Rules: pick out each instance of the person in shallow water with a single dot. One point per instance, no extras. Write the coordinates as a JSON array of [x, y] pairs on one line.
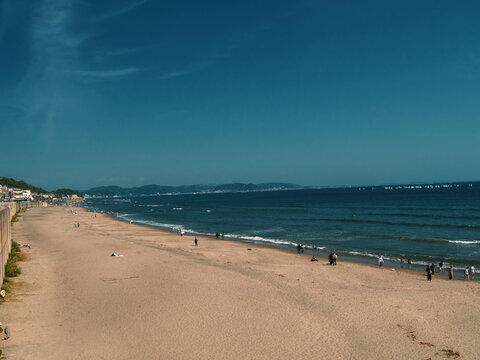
[[472, 272], [450, 272], [299, 248], [380, 260]]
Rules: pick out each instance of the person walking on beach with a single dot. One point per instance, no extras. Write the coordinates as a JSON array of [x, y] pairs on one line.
[[440, 265], [299, 248], [330, 258], [380, 260], [409, 263], [472, 272], [335, 258], [432, 268], [429, 273], [465, 274], [402, 261], [450, 272], [196, 241]]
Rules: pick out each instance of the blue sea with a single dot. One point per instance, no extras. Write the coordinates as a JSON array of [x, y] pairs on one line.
[[426, 225]]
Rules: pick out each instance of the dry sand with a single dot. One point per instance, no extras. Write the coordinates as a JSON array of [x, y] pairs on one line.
[[167, 299]]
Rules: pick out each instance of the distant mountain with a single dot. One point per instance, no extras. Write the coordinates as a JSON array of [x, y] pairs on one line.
[[19, 184], [162, 189]]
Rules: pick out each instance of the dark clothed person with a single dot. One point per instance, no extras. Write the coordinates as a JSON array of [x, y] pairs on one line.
[[429, 273]]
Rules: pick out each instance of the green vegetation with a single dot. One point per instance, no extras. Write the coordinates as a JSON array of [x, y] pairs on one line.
[[11, 267], [66, 192], [14, 218], [21, 185]]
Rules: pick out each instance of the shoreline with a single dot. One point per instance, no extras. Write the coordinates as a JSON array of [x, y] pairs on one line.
[[166, 297], [343, 256]]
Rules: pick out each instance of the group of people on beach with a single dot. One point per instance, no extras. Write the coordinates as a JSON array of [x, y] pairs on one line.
[[219, 236], [468, 273], [332, 258], [300, 248]]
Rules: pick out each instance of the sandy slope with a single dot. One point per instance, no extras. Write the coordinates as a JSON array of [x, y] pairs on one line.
[[167, 299]]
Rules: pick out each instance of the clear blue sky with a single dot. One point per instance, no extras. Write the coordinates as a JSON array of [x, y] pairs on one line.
[[133, 92]]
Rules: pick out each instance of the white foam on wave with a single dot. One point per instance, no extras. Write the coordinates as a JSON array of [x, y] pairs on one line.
[[260, 239], [177, 209], [465, 242]]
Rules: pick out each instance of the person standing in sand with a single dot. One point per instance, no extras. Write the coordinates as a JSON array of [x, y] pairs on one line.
[[450, 272], [335, 258], [465, 274], [429, 273], [472, 272], [196, 241]]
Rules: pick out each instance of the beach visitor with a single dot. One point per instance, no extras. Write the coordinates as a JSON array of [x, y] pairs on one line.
[[299, 248], [432, 268], [313, 258], [450, 272], [222, 236], [75, 225], [429, 273], [465, 274], [472, 272], [78, 225], [335, 258], [217, 235], [380, 260], [303, 248], [330, 258], [409, 263], [402, 260], [196, 241], [440, 265]]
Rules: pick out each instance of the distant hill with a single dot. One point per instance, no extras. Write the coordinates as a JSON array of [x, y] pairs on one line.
[[66, 192], [162, 189], [21, 185]]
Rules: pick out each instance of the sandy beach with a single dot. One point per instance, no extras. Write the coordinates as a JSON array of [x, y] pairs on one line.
[[165, 298]]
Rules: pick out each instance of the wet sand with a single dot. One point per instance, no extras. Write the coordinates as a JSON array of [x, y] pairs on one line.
[[167, 299]]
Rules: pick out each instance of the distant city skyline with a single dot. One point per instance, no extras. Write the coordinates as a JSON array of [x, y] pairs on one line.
[[136, 92]]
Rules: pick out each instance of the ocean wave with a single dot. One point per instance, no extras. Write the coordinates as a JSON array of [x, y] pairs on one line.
[[364, 221], [177, 208], [428, 216], [465, 242], [414, 239]]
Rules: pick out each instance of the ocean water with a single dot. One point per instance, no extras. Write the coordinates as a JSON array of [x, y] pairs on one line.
[[426, 225]]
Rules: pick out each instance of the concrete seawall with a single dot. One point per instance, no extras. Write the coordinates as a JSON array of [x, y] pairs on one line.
[[7, 211]]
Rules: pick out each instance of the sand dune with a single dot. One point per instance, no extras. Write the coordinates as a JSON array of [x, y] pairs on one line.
[[167, 299]]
